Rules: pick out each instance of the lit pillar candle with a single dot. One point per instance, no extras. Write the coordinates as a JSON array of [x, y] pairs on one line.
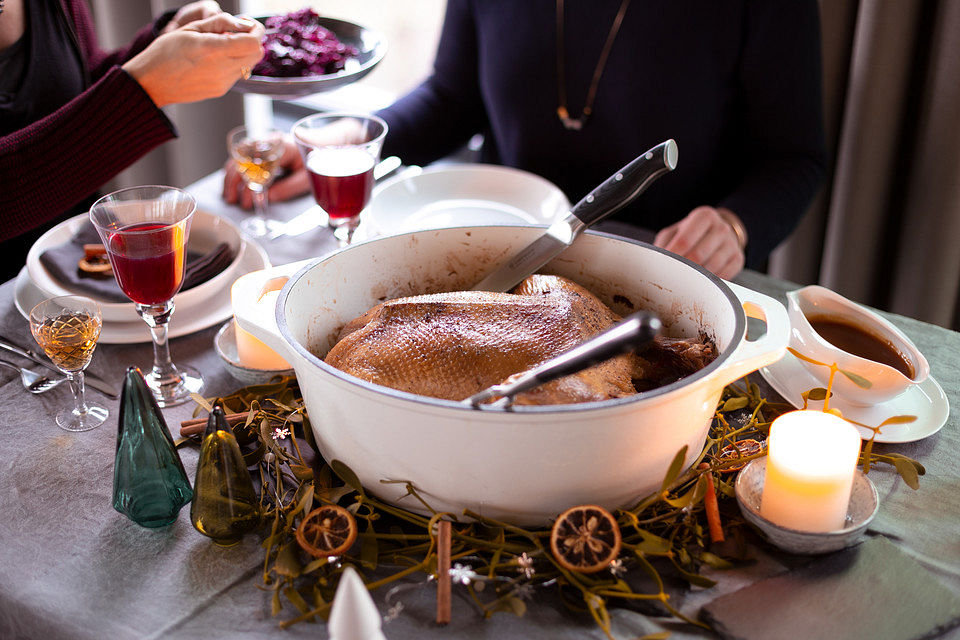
[[812, 457], [251, 351]]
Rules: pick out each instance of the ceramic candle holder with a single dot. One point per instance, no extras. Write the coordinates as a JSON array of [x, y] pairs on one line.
[[864, 504], [225, 345]]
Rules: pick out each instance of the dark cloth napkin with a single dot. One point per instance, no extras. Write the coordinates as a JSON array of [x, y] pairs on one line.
[[61, 263], [874, 591]]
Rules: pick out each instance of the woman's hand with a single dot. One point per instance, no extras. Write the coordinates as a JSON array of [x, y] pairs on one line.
[[192, 12], [198, 61], [295, 183], [705, 237]]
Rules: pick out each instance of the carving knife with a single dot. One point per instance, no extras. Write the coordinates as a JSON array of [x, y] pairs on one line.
[[615, 193], [90, 379]]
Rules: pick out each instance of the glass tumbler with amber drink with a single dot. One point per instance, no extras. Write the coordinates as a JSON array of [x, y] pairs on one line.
[[67, 329], [145, 232], [257, 152]]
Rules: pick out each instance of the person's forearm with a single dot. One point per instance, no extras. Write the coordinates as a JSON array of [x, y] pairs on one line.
[[441, 114], [425, 125], [56, 162], [101, 61], [773, 197], [783, 142]]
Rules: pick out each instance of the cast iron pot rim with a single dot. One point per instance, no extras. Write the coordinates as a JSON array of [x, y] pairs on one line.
[[739, 333]]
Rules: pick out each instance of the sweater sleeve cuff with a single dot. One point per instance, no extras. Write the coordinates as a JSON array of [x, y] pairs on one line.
[[145, 102]]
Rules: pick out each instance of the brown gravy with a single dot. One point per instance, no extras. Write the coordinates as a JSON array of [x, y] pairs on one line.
[[854, 339]]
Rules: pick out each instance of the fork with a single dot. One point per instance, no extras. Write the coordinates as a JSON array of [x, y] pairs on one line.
[[32, 381]]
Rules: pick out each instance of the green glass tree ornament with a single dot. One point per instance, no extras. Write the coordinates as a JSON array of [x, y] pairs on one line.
[[225, 505], [150, 485]]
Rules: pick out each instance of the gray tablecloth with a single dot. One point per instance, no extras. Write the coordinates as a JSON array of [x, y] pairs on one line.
[[72, 567]]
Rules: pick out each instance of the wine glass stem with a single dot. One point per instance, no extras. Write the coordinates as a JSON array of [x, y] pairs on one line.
[[157, 318], [343, 232], [76, 387], [260, 203]]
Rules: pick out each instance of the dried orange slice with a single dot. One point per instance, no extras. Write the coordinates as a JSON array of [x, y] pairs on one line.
[[95, 260], [740, 449], [585, 539], [327, 531]]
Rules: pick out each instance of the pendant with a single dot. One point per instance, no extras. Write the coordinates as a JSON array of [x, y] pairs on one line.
[[571, 124]]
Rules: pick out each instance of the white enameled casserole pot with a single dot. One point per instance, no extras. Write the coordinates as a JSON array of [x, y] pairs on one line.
[[527, 465]]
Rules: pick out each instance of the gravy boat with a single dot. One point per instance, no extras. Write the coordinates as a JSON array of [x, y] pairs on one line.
[[886, 382]]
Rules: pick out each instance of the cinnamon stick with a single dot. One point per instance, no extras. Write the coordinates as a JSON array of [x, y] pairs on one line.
[[443, 572], [196, 426], [712, 507]]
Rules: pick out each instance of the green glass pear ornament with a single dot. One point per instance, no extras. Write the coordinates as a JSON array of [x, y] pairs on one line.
[[150, 485], [225, 505]]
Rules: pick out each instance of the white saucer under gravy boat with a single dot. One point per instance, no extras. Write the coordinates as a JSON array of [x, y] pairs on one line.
[[886, 382]]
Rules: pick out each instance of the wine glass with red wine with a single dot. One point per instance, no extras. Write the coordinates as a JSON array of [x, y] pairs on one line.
[[340, 151], [145, 231]]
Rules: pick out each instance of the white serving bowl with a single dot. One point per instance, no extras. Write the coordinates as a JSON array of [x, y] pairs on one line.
[[225, 344], [206, 232], [527, 465], [864, 504]]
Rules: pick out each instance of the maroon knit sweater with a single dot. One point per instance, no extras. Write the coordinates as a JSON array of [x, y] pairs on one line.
[[58, 161]]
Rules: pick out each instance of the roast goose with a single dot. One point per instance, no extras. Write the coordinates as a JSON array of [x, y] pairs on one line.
[[453, 345]]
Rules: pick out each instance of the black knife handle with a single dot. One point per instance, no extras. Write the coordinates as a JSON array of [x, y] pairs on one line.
[[632, 332], [621, 188]]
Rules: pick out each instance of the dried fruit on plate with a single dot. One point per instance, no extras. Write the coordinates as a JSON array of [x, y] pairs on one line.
[[585, 539], [95, 261], [327, 531]]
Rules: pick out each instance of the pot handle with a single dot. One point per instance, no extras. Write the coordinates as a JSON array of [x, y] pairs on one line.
[[770, 347], [259, 317]]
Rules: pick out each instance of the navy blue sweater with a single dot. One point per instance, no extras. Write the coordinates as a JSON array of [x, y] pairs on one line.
[[737, 83]]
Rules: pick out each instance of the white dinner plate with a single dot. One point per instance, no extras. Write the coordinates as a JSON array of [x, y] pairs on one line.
[[460, 195], [217, 307], [207, 230], [925, 400]]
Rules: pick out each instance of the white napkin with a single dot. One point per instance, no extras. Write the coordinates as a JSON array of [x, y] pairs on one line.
[[353, 615]]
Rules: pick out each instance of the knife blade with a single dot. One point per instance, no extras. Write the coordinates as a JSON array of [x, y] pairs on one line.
[[92, 380], [613, 194]]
